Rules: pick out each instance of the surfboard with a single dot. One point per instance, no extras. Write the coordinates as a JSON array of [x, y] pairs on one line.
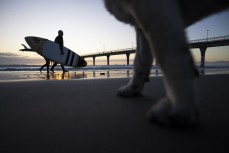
[[51, 50]]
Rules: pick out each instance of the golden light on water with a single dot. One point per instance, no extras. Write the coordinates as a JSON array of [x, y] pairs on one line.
[[59, 75]]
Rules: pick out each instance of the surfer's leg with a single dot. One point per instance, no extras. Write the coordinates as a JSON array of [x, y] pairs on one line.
[[43, 67], [53, 66], [47, 63], [63, 69], [142, 65]]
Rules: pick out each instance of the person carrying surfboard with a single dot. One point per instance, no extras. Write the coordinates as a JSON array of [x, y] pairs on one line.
[[60, 41]]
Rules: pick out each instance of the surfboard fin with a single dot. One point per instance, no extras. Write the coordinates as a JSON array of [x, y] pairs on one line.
[[26, 48]]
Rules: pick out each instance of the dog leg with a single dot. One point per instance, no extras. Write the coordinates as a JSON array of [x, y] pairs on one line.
[[162, 25], [142, 66]]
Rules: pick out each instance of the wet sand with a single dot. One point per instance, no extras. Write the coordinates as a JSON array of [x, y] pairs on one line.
[[59, 75], [86, 116]]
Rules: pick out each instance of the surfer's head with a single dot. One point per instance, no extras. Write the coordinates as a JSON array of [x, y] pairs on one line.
[[60, 32]]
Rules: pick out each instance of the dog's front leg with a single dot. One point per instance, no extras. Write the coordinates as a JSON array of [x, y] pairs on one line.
[[142, 66], [162, 25]]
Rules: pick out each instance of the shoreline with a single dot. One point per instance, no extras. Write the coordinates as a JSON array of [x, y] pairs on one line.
[[31, 72], [7, 76], [71, 75]]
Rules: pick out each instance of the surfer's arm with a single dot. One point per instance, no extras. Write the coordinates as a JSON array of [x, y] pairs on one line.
[[61, 43], [61, 50]]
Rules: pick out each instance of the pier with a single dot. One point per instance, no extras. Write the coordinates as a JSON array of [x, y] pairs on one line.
[[126, 51], [202, 44]]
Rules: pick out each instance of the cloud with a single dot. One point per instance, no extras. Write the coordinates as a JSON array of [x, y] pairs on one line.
[[11, 55], [7, 58]]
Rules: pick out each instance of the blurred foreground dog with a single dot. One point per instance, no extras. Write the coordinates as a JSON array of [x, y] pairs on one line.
[[160, 33]]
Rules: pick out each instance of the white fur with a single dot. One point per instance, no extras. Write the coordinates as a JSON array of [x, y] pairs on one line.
[[160, 33]]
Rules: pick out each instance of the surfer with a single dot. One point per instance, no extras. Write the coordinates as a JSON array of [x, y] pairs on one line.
[[60, 41]]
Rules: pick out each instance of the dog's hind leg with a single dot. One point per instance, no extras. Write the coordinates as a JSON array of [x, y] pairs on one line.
[[162, 25], [142, 66]]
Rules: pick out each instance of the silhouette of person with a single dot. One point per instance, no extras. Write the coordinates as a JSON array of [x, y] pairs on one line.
[[59, 40]]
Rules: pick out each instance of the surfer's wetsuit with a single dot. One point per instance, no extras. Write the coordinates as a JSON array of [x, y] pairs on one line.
[[60, 41]]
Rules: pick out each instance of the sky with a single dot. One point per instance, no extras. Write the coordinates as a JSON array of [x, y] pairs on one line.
[[88, 28]]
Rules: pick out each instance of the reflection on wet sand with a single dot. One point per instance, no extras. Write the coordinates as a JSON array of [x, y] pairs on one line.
[[94, 74], [58, 75], [66, 76]]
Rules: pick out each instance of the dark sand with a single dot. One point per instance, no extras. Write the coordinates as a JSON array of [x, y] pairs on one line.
[[86, 116]]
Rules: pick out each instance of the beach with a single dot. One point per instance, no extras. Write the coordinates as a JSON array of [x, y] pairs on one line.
[[75, 108], [86, 115]]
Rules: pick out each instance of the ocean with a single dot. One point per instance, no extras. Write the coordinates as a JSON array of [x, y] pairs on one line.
[[22, 72]]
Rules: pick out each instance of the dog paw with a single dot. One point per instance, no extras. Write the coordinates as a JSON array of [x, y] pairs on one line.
[[165, 113], [129, 91]]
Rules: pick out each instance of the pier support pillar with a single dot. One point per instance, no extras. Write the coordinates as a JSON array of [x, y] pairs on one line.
[[108, 59], [94, 60], [128, 58], [202, 52]]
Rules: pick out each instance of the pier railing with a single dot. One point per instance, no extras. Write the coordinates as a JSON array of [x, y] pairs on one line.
[[212, 39], [120, 51], [109, 52]]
